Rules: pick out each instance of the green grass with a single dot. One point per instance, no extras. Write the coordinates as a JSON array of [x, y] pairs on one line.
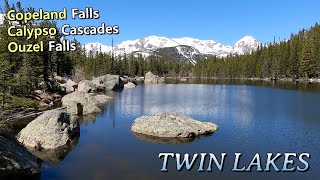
[[13, 102]]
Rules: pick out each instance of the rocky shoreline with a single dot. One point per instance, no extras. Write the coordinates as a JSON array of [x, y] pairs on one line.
[[54, 131], [57, 128], [47, 101]]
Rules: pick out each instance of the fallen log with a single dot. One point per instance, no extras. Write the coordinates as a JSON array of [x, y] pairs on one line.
[[28, 115]]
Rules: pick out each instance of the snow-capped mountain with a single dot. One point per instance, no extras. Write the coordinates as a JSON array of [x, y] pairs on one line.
[[181, 53], [247, 44], [184, 49]]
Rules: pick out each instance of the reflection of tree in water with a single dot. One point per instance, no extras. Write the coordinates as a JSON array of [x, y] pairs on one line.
[[55, 155], [111, 109], [161, 140], [110, 106]]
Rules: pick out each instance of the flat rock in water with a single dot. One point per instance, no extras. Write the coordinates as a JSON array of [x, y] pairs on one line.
[[172, 125], [52, 129], [16, 159]]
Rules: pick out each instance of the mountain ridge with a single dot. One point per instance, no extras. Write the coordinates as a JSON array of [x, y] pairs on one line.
[[186, 48]]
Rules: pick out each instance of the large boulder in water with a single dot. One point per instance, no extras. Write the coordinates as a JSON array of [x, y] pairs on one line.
[[52, 129], [108, 82], [172, 125], [88, 103], [16, 159], [87, 86], [151, 78]]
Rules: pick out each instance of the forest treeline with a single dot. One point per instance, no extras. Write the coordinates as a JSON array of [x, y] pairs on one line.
[[94, 63], [298, 57]]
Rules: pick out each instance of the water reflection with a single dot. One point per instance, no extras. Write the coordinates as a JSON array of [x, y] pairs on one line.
[[302, 86], [55, 155], [160, 140], [190, 100], [251, 119], [87, 118]]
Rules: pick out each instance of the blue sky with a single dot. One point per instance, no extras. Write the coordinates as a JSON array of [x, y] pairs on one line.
[[225, 21]]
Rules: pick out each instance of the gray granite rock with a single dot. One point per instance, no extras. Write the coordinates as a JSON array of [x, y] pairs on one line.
[[16, 160], [87, 86], [151, 78], [52, 129], [172, 125], [108, 82], [129, 85], [90, 103]]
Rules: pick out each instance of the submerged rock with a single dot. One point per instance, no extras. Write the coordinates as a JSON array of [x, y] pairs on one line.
[[151, 78], [89, 103], [15, 159], [172, 125], [52, 129]]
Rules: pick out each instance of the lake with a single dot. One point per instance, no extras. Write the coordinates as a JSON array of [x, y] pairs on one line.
[[252, 118]]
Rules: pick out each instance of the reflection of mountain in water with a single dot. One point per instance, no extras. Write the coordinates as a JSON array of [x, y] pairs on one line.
[[187, 99]]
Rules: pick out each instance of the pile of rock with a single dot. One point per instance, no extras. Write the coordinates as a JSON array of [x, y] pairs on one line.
[[46, 100], [97, 84]]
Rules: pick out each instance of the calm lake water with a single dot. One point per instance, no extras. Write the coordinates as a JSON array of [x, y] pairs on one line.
[[251, 119]]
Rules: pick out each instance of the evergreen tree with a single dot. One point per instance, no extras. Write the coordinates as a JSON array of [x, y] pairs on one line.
[[307, 63]]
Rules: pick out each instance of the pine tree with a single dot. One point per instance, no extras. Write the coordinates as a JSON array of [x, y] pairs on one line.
[[307, 63], [294, 57], [6, 59]]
